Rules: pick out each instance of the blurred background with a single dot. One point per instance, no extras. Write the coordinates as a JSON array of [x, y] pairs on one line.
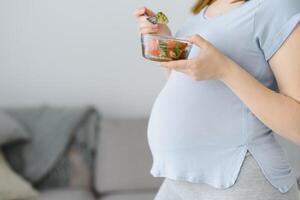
[[74, 51], [75, 100]]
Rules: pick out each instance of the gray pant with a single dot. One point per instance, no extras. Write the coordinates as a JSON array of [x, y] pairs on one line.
[[250, 185]]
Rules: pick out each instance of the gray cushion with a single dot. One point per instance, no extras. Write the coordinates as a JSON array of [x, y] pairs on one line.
[[66, 194], [293, 152], [10, 130], [137, 196], [124, 158]]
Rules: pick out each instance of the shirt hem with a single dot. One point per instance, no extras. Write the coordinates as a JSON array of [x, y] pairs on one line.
[[189, 179], [158, 172], [282, 189]]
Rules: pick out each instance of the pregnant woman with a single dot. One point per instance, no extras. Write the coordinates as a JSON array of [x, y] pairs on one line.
[[211, 129]]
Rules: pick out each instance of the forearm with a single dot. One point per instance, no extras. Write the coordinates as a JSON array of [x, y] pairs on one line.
[[277, 111]]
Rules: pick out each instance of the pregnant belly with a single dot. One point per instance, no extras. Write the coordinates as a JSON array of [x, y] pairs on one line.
[[182, 119]]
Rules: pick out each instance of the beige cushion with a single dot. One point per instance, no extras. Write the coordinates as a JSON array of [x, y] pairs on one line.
[[12, 186], [66, 194], [137, 196], [124, 158]]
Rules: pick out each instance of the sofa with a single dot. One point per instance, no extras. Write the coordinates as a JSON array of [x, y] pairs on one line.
[[123, 162]]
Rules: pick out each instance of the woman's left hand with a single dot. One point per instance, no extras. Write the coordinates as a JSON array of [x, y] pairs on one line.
[[209, 64]]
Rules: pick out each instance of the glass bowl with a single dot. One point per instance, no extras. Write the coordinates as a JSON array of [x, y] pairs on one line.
[[164, 48]]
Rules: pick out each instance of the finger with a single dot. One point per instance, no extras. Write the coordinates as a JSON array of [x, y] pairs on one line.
[[148, 25], [150, 12], [183, 70], [143, 11], [198, 40], [179, 64], [143, 19], [139, 12], [148, 30]]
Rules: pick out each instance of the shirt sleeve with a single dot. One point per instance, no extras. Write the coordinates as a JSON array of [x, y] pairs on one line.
[[273, 23]]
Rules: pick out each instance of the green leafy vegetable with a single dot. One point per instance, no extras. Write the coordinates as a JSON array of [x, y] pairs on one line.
[[161, 18]]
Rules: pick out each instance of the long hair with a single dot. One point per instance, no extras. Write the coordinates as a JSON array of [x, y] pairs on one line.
[[200, 4]]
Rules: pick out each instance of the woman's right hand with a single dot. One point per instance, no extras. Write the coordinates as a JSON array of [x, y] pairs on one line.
[[146, 27]]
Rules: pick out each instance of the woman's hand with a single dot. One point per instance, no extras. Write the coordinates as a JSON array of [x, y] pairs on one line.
[[209, 64], [145, 27]]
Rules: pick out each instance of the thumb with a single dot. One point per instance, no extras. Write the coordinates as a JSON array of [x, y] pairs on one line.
[[143, 11], [198, 40], [149, 12]]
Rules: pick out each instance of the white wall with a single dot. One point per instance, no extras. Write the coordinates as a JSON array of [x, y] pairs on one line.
[[68, 52]]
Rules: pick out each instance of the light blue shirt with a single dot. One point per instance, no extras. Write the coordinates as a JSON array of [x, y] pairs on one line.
[[200, 131]]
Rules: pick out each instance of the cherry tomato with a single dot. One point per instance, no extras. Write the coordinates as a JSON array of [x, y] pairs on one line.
[[153, 47], [154, 52], [153, 44], [171, 44]]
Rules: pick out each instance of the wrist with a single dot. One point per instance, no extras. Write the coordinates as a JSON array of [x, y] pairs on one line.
[[229, 69], [164, 30]]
